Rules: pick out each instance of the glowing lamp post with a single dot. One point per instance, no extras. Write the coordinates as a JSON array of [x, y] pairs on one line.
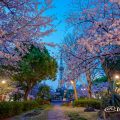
[[75, 91], [117, 77], [72, 82], [3, 81], [112, 86]]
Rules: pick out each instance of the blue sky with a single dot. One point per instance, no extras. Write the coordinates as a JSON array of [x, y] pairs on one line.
[[60, 11]]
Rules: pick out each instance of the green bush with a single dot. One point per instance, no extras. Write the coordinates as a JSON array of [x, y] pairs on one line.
[[46, 102], [17, 108], [9, 109], [29, 105], [40, 101], [88, 103], [75, 116], [67, 104], [5, 109]]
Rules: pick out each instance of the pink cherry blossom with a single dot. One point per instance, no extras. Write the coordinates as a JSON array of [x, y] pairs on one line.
[[23, 23]]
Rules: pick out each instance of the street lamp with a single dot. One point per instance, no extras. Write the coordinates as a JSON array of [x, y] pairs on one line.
[[72, 82], [3, 81], [75, 91], [112, 86], [117, 77]]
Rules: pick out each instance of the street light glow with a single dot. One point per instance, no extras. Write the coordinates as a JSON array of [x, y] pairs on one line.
[[72, 82], [3, 81], [83, 89], [117, 76], [118, 83]]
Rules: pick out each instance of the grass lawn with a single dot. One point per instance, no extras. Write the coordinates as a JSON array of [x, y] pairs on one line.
[[36, 114], [78, 113], [75, 116]]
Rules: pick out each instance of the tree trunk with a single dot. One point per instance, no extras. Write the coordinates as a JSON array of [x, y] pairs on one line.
[[75, 91], [30, 85], [26, 93], [88, 76]]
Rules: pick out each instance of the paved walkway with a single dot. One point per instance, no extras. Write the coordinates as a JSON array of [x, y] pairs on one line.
[[56, 114]]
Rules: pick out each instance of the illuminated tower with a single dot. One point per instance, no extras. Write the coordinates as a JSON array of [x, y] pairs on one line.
[[61, 69]]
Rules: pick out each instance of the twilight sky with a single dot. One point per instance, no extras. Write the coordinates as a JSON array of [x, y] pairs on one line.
[[60, 11]]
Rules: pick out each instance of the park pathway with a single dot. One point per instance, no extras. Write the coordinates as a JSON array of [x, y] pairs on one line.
[[56, 114]]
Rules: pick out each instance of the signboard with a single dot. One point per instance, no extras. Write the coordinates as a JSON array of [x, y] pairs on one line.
[[112, 109]]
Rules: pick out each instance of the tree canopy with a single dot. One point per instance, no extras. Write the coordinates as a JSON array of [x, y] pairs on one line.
[[22, 22], [35, 66], [100, 80], [44, 92]]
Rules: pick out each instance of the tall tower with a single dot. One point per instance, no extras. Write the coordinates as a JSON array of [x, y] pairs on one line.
[[61, 69]]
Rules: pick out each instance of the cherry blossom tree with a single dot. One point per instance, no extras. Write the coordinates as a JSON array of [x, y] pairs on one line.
[[103, 35], [103, 30], [116, 1], [72, 58], [23, 22], [98, 33]]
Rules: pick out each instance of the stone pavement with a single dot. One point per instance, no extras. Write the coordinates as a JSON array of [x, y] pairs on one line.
[[57, 114]]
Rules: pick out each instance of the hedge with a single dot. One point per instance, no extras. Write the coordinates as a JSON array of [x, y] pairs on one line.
[[9, 109], [87, 103], [42, 102]]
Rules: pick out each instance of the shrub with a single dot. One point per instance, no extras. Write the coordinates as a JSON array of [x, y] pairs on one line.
[[75, 116], [29, 105], [9, 109], [5, 109], [40, 101], [46, 102], [67, 104], [107, 100], [17, 108], [88, 103]]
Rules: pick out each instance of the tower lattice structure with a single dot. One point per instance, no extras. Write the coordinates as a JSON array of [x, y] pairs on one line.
[[61, 71]]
